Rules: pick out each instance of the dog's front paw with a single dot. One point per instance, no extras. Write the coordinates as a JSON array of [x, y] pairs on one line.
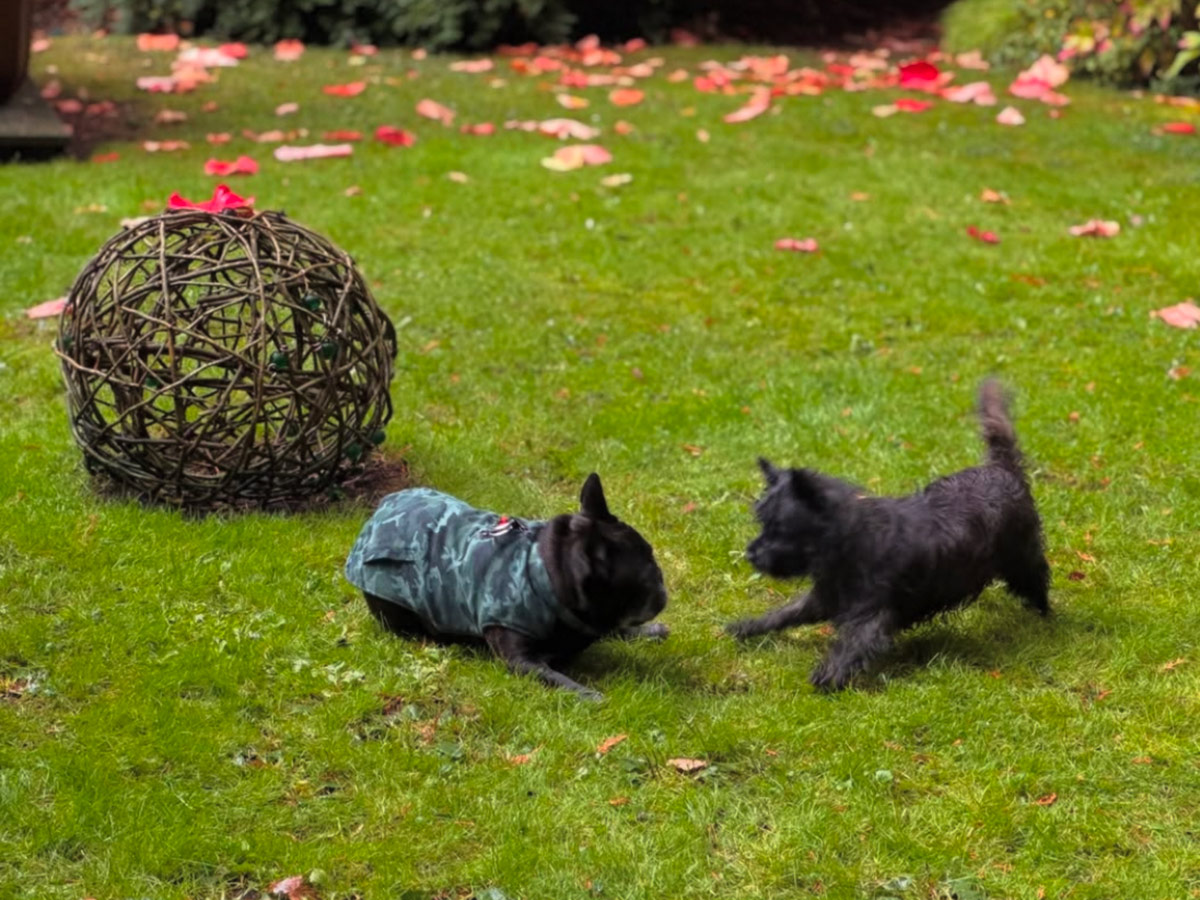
[[656, 631], [590, 696], [828, 677], [742, 628]]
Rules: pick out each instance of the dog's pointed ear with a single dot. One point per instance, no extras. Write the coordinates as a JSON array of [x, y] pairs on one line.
[[770, 473], [807, 489], [591, 499]]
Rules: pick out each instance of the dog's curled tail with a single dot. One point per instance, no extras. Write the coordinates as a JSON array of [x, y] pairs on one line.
[[997, 428]]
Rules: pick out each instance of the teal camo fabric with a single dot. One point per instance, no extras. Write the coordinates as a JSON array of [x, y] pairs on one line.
[[459, 568]]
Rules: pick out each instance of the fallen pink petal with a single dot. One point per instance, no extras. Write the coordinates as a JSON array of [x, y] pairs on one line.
[[978, 92], [222, 199], [289, 153], [289, 50], [575, 156], [243, 165], [1010, 115], [755, 107], [1096, 228], [1181, 315], [431, 109], [804, 245], [47, 310]]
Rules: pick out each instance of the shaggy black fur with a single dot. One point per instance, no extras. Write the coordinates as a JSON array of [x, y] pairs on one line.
[[602, 571], [881, 564]]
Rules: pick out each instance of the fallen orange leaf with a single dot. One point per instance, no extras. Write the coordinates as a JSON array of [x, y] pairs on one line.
[[625, 97], [1048, 800], [608, 743]]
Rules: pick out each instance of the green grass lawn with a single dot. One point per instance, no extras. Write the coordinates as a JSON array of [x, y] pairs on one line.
[[211, 708]]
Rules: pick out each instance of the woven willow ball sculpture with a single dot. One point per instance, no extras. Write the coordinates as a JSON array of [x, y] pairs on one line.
[[225, 359]]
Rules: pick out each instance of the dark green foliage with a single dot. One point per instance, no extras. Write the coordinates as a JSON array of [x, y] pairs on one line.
[[436, 24], [1140, 42]]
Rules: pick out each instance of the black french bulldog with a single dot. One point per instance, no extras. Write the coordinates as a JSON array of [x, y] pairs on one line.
[[535, 592]]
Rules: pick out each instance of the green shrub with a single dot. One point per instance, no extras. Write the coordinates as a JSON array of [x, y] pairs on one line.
[[1133, 42], [436, 24]]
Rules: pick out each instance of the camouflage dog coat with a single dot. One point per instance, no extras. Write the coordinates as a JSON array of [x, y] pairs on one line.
[[460, 569]]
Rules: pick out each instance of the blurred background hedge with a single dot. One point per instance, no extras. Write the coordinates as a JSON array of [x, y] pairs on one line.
[[478, 24]]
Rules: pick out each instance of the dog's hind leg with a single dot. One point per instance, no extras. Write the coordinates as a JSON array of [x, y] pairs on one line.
[[1028, 575], [803, 610], [857, 644]]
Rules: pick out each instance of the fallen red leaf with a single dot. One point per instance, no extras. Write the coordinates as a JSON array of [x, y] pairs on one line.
[[69, 107], [286, 109], [625, 97], [350, 89], [289, 153], [1178, 128], [693, 449], [363, 49], [909, 105], [608, 743], [687, 765], [987, 195], [1173, 664], [342, 136], [106, 157], [243, 165], [223, 198], [805, 245], [47, 310], [431, 109], [622, 127], [1076, 576], [234, 50], [921, 75], [988, 237], [1047, 800], [165, 43], [170, 116], [289, 50], [1181, 315], [482, 129], [396, 137]]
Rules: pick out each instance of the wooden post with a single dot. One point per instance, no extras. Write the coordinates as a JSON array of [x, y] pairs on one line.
[[16, 26]]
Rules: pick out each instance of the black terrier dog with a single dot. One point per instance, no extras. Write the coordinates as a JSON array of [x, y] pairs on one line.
[[881, 564], [536, 592]]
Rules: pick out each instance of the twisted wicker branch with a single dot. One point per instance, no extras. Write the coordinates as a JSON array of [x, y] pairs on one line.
[[215, 359]]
